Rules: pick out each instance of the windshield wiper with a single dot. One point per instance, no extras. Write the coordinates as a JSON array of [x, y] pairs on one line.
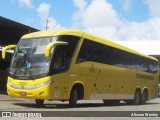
[[28, 69], [26, 62], [18, 68]]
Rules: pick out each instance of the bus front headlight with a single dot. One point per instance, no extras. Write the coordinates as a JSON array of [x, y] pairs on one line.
[[8, 83], [44, 84]]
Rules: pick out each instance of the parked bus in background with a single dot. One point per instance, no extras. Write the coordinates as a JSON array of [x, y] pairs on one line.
[[71, 65]]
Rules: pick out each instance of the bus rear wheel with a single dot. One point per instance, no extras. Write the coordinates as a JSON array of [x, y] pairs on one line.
[[73, 98], [144, 97], [137, 98], [39, 102]]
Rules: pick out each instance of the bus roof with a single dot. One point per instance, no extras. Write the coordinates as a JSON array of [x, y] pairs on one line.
[[53, 33], [86, 35]]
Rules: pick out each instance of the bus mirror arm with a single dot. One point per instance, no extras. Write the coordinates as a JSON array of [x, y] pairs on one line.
[[51, 45], [5, 49]]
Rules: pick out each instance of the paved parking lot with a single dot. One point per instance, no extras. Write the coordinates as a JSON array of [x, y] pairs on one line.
[[88, 107]]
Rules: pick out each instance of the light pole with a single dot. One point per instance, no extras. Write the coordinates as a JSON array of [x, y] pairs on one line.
[[47, 24]]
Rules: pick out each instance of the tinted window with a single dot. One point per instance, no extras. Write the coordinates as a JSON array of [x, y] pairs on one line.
[[93, 51]]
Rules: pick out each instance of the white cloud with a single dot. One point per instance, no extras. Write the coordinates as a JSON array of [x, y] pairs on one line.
[[52, 24], [127, 4], [100, 18], [99, 14], [143, 46], [43, 11], [78, 15], [26, 3], [81, 4], [154, 6], [147, 30]]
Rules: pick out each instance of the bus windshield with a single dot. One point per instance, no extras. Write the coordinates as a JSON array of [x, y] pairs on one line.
[[29, 61], [29, 58]]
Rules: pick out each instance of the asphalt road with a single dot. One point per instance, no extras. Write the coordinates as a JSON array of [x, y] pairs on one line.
[[86, 109]]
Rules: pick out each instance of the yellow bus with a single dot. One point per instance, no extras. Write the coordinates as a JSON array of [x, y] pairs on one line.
[[71, 65]]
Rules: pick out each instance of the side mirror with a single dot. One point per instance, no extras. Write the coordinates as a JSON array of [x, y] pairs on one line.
[[51, 45], [5, 49]]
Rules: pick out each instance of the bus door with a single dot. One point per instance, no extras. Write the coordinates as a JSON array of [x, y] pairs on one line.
[[86, 74], [93, 82], [63, 55], [86, 67], [58, 67]]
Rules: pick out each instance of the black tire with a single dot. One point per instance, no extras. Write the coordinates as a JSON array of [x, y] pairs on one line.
[[73, 98], [144, 97], [137, 98], [39, 103], [111, 102]]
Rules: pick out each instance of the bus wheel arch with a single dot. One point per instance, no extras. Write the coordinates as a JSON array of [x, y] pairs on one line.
[[77, 93], [144, 96]]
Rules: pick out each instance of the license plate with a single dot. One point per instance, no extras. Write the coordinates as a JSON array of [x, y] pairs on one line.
[[22, 93]]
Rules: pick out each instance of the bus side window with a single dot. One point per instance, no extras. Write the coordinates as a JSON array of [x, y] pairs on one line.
[[84, 54], [62, 55], [59, 63]]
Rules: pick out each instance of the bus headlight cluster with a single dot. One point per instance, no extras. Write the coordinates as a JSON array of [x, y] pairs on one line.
[[44, 84], [30, 87], [13, 86], [8, 83]]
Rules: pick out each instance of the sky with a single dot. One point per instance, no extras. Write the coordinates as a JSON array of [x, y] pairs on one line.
[[117, 20]]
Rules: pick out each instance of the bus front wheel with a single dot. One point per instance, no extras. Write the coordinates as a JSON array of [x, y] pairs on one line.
[[39, 102], [73, 97]]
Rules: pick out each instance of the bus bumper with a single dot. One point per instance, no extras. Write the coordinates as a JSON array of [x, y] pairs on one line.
[[40, 93]]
